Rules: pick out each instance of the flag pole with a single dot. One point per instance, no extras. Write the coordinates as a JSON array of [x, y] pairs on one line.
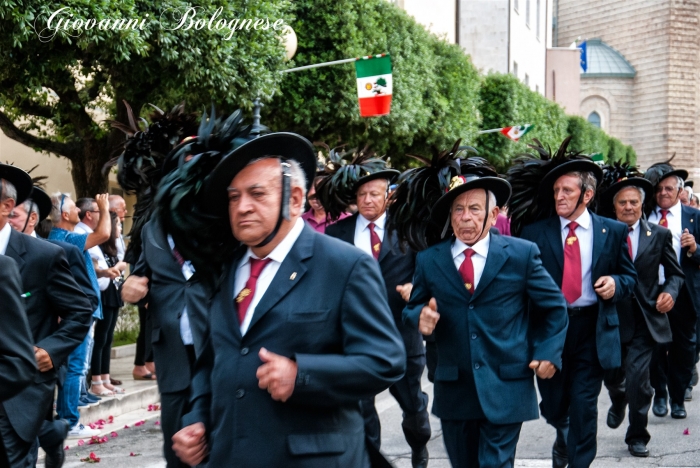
[[328, 64], [493, 130]]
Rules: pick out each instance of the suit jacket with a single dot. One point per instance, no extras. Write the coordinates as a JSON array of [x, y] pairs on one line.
[[610, 258], [397, 269], [655, 248], [17, 363], [690, 219], [51, 293], [169, 294], [486, 340], [326, 308]]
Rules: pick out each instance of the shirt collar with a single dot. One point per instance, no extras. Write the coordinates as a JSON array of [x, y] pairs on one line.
[[584, 220], [81, 225], [5, 238], [635, 226], [280, 252], [364, 222], [33, 234], [481, 247]]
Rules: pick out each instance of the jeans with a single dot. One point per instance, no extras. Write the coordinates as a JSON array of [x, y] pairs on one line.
[[87, 358], [69, 393]]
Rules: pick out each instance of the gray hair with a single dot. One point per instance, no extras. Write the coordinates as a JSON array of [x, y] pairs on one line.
[[296, 172], [680, 183], [30, 207], [588, 181], [639, 189], [689, 191], [7, 190], [56, 199]]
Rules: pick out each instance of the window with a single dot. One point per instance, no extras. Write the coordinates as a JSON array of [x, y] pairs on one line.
[[527, 80], [594, 119], [515, 5], [515, 68], [537, 20], [527, 13]]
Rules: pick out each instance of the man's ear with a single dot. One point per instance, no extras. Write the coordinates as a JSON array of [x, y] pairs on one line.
[[296, 200]]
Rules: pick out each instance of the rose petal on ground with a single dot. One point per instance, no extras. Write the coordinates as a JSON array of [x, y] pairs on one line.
[[114, 434], [157, 423], [81, 442], [110, 420], [686, 432]]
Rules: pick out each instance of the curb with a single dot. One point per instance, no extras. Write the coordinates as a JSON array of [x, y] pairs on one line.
[[123, 351], [132, 401]]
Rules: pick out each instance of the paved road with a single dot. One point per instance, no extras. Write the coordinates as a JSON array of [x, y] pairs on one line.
[[669, 446]]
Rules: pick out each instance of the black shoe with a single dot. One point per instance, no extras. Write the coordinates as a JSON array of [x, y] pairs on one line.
[[616, 414], [660, 407], [694, 378], [678, 410], [56, 455], [688, 394], [560, 456], [638, 449], [419, 459]]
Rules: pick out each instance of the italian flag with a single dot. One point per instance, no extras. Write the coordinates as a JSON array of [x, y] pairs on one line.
[[517, 132], [374, 84]]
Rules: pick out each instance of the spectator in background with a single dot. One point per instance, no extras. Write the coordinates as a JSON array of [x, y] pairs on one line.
[[111, 303], [118, 205], [502, 224], [686, 195], [316, 216]]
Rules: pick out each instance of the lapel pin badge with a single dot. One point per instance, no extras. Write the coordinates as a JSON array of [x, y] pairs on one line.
[[603, 231], [648, 233], [294, 275]]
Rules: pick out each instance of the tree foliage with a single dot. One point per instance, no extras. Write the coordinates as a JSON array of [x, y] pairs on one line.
[[56, 94], [435, 85]]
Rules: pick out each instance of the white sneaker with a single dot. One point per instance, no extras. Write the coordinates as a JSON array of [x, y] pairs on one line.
[[82, 432]]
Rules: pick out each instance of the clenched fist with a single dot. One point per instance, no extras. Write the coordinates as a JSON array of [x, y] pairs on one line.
[[428, 318]]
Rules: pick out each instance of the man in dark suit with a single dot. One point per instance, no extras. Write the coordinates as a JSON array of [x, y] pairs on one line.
[[472, 290], [587, 257], [368, 225], [643, 319], [177, 301], [298, 333], [50, 293], [673, 363]]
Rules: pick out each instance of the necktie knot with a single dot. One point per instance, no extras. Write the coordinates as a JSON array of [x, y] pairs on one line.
[[469, 252], [664, 213], [257, 265], [572, 226], [630, 229], [371, 227]]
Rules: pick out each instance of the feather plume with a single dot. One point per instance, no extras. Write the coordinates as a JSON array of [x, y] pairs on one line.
[[655, 172], [525, 205], [611, 175]]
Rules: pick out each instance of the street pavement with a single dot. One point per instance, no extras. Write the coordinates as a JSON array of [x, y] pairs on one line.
[[669, 446]]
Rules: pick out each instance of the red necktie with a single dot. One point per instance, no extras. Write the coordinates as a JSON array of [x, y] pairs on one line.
[[466, 269], [376, 243], [245, 297], [629, 243], [572, 281], [663, 221], [178, 257]]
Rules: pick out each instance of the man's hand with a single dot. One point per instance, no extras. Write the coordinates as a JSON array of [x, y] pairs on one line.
[[428, 318], [277, 375], [134, 289], [43, 360], [110, 273], [664, 303], [190, 444], [688, 240], [102, 200], [543, 369], [405, 291], [605, 287]]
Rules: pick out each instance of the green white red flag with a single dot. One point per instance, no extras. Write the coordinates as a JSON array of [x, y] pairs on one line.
[[374, 84], [515, 133]]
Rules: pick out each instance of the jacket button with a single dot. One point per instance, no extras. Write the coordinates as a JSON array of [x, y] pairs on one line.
[[187, 285], [240, 393], [471, 306], [474, 335], [477, 365], [244, 351]]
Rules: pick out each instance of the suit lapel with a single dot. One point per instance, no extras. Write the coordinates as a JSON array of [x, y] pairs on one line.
[[553, 234], [646, 237], [390, 243], [15, 249], [494, 262], [348, 234], [230, 311], [290, 273], [686, 220], [600, 238], [446, 266]]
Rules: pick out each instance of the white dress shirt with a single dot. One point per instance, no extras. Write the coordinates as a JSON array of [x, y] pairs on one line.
[[95, 254], [634, 238], [187, 272], [675, 225], [481, 251], [5, 238], [362, 233], [121, 248], [267, 275], [584, 233]]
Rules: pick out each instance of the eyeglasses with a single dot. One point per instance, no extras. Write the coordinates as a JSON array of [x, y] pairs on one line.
[[60, 207], [667, 189]]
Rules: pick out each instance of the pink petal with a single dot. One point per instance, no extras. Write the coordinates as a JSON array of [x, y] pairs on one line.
[[66, 447], [686, 432], [114, 434], [157, 423], [126, 426], [104, 439], [139, 423], [81, 442], [110, 420]]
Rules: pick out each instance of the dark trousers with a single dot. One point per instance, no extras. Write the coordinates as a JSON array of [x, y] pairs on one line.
[[413, 402], [478, 443], [630, 383], [173, 406], [431, 357], [144, 350], [19, 452], [572, 394], [672, 363], [104, 333]]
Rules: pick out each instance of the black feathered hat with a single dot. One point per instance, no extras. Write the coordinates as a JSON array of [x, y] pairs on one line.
[[20, 179], [616, 178], [42, 201], [460, 184], [662, 170]]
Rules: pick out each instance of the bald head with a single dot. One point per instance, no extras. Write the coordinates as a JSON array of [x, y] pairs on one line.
[[118, 205]]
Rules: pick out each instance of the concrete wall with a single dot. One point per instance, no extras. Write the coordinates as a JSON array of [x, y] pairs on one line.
[[484, 33], [563, 80], [528, 42]]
